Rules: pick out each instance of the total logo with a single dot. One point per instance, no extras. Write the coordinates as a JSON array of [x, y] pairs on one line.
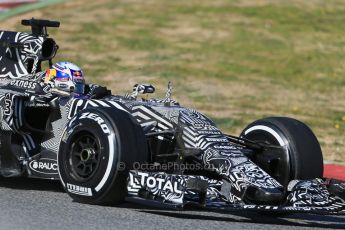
[[163, 184], [44, 166]]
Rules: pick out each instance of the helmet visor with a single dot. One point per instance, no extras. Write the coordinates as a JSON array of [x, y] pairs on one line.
[[61, 76]]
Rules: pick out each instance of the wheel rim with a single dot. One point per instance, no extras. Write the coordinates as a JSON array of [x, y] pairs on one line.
[[276, 165], [84, 157]]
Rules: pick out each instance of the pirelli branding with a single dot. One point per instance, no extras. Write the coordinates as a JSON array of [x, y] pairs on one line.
[[79, 190]]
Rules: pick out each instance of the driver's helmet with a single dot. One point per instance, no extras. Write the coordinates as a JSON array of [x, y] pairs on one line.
[[67, 77]]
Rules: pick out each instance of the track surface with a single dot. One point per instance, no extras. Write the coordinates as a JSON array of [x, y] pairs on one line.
[[37, 204]]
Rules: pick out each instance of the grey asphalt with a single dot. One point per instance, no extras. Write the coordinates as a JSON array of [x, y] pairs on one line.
[[40, 204]]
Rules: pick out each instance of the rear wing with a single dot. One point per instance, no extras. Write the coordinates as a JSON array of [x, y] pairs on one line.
[[22, 53]]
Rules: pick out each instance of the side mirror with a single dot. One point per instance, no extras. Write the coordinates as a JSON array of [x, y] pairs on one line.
[[49, 49], [143, 88]]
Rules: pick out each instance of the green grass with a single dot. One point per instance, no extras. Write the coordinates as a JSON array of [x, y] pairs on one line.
[[236, 61]]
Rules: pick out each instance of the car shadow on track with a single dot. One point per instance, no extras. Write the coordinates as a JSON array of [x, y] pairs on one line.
[[302, 220], [299, 220], [23, 183]]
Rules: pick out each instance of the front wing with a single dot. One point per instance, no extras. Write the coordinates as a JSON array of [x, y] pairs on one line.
[[157, 189]]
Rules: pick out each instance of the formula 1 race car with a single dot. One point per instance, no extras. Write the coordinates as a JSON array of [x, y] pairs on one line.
[[106, 149]]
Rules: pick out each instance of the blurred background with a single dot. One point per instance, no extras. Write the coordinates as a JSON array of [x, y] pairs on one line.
[[6, 5], [234, 60]]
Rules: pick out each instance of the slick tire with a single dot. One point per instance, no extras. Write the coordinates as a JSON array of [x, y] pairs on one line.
[[303, 158], [97, 149]]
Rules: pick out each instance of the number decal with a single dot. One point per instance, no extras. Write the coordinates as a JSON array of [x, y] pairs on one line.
[[8, 103]]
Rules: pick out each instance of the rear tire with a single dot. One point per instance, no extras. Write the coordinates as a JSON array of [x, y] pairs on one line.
[[98, 148], [10, 152], [304, 154]]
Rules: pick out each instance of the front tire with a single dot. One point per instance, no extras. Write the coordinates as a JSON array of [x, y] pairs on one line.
[[304, 156], [98, 148]]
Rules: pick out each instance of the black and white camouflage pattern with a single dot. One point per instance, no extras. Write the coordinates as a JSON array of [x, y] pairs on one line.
[[20, 88], [313, 194], [199, 132], [305, 196], [14, 62]]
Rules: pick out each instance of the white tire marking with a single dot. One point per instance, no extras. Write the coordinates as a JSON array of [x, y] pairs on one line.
[[267, 129], [110, 163]]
